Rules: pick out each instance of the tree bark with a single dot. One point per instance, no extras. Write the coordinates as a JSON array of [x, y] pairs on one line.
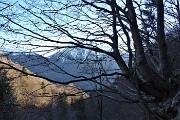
[[164, 63], [147, 73]]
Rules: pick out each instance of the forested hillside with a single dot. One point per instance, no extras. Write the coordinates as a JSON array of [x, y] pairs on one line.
[[23, 92]]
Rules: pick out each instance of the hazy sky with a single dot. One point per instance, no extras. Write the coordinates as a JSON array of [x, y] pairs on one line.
[[17, 42]]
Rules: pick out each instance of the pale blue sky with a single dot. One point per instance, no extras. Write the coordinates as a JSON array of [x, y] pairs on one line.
[[23, 17]]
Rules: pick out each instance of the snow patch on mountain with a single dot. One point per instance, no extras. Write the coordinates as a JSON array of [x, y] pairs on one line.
[[70, 64]]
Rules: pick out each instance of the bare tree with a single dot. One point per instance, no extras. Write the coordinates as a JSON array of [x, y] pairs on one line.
[[109, 27]]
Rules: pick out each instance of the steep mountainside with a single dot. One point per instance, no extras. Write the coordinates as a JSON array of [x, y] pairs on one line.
[[33, 90]]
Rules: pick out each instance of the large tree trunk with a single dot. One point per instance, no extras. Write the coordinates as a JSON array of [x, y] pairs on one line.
[[163, 57], [151, 77]]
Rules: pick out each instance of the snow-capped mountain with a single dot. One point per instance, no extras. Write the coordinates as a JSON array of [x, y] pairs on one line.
[[67, 65]]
